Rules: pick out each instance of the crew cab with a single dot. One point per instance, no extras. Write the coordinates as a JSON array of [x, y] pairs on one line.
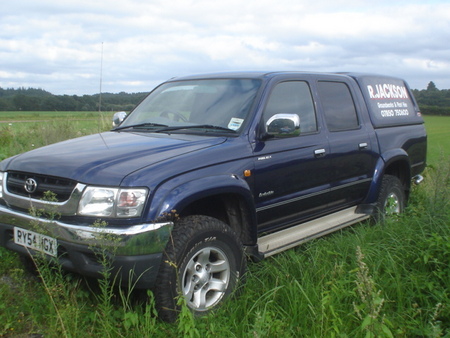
[[211, 169]]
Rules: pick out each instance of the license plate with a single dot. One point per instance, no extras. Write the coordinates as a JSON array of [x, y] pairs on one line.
[[36, 241]]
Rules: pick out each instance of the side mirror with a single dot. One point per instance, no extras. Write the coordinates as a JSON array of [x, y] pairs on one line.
[[118, 118], [283, 125]]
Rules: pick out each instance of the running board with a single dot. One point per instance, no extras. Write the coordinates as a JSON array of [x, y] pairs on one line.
[[279, 241]]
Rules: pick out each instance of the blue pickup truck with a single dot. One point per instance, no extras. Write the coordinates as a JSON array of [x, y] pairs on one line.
[[209, 170]]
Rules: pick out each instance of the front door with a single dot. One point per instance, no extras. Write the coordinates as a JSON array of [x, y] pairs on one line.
[[291, 173]]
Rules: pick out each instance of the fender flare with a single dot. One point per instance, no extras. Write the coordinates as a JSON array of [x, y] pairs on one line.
[[178, 194], [384, 161]]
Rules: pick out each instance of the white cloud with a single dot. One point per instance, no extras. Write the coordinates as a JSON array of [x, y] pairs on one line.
[[57, 45]]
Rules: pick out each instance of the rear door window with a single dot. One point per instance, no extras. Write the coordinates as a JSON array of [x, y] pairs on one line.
[[338, 106]]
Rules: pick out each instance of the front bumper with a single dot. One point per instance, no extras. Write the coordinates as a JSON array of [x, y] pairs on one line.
[[135, 251]]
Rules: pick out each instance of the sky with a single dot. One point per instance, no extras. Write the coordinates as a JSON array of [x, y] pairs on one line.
[[78, 47]]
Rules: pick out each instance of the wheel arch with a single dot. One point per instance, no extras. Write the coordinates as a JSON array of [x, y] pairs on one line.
[[396, 163], [400, 168], [224, 197]]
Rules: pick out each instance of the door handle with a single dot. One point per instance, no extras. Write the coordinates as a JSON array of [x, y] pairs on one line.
[[319, 152], [363, 145]]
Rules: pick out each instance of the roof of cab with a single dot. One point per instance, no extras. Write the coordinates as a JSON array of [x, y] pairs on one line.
[[242, 74], [269, 74]]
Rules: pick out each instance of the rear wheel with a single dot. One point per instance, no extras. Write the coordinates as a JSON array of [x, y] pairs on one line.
[[391, 199], [203, 262]]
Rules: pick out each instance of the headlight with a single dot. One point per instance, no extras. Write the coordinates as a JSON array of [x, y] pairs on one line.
[[112, 202], [130, 202], [1, 183]]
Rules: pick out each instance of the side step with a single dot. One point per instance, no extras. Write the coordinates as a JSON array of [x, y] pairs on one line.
[[276, 242]]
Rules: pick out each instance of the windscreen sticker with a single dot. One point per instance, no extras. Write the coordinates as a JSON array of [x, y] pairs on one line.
[[235, 123]]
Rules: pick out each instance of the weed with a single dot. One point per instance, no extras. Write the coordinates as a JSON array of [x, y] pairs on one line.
[[67, 300], [186, 321], [369, 310], [106, 311], [53, 279], [331, 320]]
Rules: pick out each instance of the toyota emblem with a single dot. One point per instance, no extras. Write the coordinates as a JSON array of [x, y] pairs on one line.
[[30, 185]]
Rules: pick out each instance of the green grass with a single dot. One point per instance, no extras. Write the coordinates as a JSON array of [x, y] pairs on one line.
[[390, 279], [23, 131], [45, 115], [438, 130]]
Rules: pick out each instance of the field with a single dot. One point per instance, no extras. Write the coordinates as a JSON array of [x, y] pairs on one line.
[[383, 280], [7, 116], [23, 131], [34, 129], [438, 130]]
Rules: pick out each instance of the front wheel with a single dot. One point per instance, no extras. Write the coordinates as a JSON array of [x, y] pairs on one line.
[[203, 262], [391, 199]]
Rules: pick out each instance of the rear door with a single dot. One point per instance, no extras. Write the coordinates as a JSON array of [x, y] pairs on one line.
[[352, 155]]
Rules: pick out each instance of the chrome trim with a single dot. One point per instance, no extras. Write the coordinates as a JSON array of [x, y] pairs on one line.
[[274, 129], [319, 152], [2, 180], [417, 164], [138, 239], [118, 118], [66, 208], [417, 179], [279, 241], [30, 185]]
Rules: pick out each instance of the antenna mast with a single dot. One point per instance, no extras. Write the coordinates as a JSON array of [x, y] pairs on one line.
[[101, 76]]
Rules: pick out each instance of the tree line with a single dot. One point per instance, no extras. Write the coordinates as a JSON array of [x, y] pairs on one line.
[[432, 101], [32, 99]]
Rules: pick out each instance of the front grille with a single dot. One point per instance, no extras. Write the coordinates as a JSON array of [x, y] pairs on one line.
[[62, 187]]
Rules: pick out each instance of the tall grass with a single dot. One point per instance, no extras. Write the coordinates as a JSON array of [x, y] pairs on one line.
[[383, 280], [366, 280]]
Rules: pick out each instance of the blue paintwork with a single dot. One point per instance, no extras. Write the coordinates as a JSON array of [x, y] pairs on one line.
[[108, 158], [288, 182]]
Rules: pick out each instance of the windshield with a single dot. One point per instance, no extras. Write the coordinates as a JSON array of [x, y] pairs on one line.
[[219, 105]]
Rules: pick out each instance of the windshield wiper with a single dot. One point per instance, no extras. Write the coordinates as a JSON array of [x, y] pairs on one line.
[[140, 125], [197, 126]]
